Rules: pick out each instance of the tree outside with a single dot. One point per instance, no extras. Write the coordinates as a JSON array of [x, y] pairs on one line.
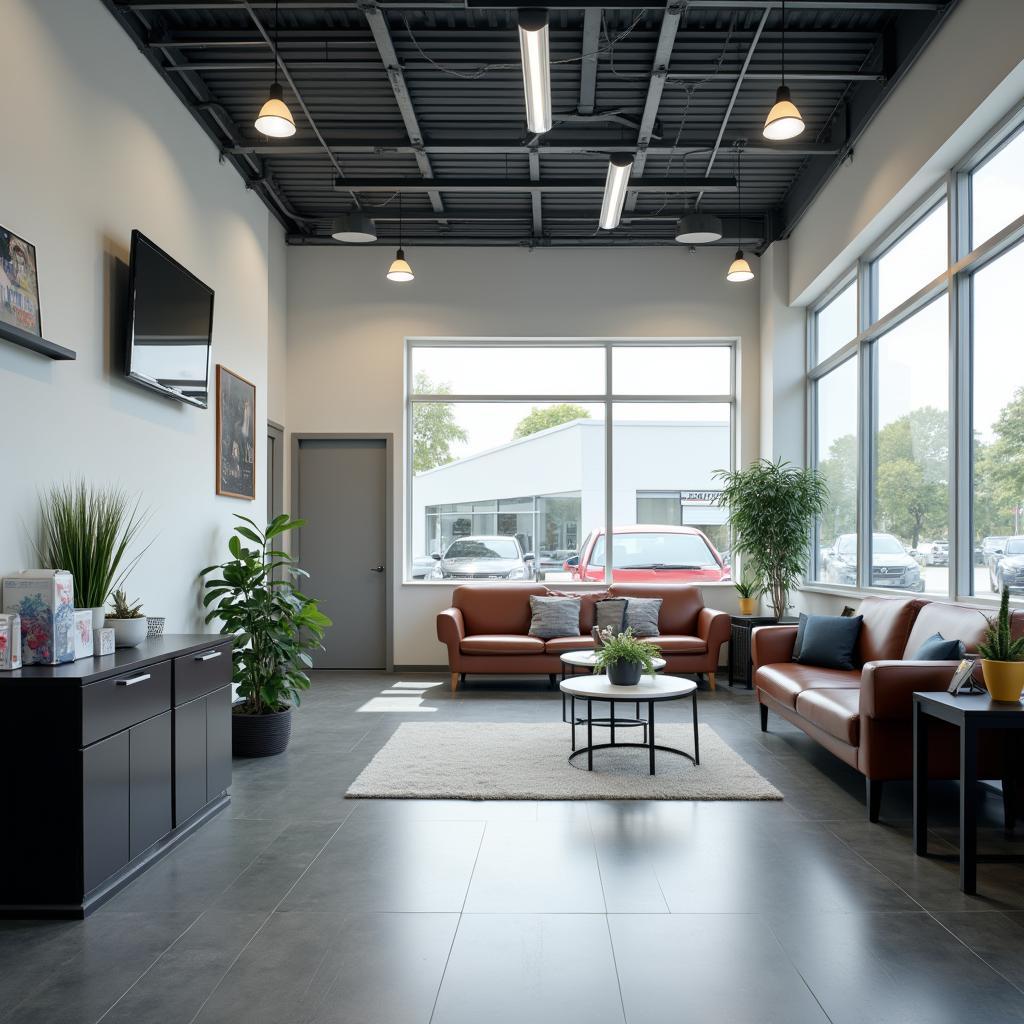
[[542, 417], [434, 427]]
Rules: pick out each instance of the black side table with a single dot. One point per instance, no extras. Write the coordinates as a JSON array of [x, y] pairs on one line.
[[740, 666], [970, 714]]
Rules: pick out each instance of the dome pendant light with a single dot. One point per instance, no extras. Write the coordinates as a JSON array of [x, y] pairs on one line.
[[739, 269], [275, 119], [400, 270], [784, 120]]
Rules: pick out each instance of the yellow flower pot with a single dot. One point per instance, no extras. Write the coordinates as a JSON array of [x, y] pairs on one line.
[[1004, 679], [748, 605]]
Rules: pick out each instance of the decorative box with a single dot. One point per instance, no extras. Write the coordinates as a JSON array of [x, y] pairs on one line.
[[103, 641], [45, 600], [83, 633], [10, 642]]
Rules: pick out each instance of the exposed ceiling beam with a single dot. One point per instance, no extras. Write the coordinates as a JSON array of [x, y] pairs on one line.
[[588, 65], [498, 186], [341, 5], [536, 199], [607, 240]]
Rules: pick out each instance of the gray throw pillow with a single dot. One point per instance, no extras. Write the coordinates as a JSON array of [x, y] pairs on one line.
[[611, 614], [554, 616], [642, 615]]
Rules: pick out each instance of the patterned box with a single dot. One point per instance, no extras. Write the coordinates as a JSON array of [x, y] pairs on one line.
[[45, 600], [103, 641], [10, 642], [83, 633]]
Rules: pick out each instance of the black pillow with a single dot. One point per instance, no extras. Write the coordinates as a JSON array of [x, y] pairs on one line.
[[799, 642], [829, 641], [935, 648]]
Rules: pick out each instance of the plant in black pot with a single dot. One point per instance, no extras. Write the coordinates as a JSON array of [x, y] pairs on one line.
[[625, 658], [274, 626]]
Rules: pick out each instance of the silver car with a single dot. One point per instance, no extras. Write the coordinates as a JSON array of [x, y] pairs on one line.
[[891, 566], [484, 558]]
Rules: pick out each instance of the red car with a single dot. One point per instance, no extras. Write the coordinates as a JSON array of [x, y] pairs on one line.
[[679, 554]]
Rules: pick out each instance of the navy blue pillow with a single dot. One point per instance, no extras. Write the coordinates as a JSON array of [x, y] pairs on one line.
[[799, 642], [829, 641], [935, 648]]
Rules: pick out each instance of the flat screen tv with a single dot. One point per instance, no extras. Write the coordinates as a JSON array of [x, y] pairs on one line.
[[170, 323]]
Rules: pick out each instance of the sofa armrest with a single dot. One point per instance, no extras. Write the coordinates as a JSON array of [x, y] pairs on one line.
[[451, 628], [713, 628], [887, 687], [770, 645]]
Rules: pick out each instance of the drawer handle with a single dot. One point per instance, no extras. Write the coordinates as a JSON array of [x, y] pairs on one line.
[[209, 655], [134, 680]]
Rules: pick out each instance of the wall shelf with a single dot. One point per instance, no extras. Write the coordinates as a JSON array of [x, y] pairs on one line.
[[8, 332]]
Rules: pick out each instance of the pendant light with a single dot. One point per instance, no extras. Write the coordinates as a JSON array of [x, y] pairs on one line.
[[784, 120], [619, 166], [400, 270], [698, 229], [533, 49], [739, 269], [353, 227], [275, 119]]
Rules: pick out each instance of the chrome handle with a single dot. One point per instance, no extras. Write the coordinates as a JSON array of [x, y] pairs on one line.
[[134, 680], [208, 656], [377, 568]]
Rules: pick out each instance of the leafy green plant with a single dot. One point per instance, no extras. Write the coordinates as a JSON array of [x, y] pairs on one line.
[[998, 644], [624, 646], [123, 608], [772, 507], [87, 531], [274, 625], [747, 589]]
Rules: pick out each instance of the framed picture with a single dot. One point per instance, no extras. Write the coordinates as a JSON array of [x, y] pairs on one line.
[[19, 284], [236, 435], [963, 678]]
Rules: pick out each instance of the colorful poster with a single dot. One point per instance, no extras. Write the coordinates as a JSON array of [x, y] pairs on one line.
[[19, 283]]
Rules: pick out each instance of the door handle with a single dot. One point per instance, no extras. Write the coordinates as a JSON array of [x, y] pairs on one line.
[[134, 680], [208, 656], [377, 568]]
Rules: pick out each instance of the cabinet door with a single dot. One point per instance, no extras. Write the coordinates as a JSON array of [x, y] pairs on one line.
[[150, 750], [218, 742], [189, 759], [105, 809]]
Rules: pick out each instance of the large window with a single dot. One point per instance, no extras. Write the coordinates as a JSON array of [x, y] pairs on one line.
[[916, 392], [523, 455]]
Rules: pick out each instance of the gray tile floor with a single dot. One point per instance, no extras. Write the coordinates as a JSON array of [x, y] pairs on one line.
[[298, 907]]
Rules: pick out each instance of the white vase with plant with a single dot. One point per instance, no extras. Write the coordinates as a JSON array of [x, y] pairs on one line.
[[127, 621]]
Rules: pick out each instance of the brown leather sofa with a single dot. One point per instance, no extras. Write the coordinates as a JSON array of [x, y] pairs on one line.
[[487, 629], [864, 716]]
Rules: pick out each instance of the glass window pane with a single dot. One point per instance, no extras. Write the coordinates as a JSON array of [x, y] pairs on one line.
[[664, 509], [836, 323], [836, 406], [917, 258], [998, 490], [692, 370], [911, 538], [997, 191], [693, 547], [508, 370], [528, 475]]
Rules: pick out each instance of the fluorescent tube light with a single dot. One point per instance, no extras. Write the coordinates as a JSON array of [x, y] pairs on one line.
[[533, 46], [619, 166]]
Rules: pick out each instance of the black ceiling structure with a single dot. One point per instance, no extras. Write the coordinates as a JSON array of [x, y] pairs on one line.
[[426, 100]]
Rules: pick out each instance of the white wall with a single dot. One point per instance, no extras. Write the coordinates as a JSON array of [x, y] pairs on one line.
[[347, 325], [96, 144]]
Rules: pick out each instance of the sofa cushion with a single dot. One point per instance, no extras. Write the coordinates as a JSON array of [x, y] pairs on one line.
[[953, 621], [611, 614], [484, 643], [786, 681], [887, 625], [642, 615], [496, 609], [680, 604], [678, 644], [835, 711], [938, 648], [553, 616], [562, 644], [587, 603], [828, 641]]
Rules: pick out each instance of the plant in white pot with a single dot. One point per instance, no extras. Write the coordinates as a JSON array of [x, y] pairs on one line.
[[625, 658], [1002, 657], [274, 626], [127, 621], [87, 531]]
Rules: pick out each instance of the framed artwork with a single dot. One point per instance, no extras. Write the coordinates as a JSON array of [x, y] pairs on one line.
[[236, 435], [19, 284]]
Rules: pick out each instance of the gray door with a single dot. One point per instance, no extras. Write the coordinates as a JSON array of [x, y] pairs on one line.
[[342, 495], [275, 470]]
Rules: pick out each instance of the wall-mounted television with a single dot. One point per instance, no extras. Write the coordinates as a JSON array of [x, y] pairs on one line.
[[169, 327]]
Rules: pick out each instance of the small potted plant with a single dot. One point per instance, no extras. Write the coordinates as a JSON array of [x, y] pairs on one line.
[[274, 628], [625, 658], [749, 593], [126, 620], [1002, 657]]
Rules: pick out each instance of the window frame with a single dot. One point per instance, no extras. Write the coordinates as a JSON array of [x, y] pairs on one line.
[[609, 398]]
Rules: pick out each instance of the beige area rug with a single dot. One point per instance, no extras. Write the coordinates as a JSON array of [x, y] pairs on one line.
[[497, 761]]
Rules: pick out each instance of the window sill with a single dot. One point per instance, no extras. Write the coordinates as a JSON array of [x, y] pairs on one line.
[[554, 584], [837, 590]]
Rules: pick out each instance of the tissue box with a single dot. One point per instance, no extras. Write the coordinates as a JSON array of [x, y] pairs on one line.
[[103, 641], [83, 633], [10, 642], [45, 600]]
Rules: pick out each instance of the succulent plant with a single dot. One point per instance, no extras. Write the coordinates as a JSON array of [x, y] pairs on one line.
[[123, 608], [999, 644]]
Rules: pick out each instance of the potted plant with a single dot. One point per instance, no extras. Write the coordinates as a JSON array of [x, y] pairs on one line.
[[127, 621], [1002, 657], [749, 593], [274, 628], [625, 658], [772, 508], [87, 531]]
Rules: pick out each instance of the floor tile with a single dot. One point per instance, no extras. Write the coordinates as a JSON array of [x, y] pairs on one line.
[[998, 938]]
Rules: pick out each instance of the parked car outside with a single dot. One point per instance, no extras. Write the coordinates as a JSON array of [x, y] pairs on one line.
[[992, 549], [422, 566], [677, 554], [1009, 569], [484, 558], [933, 552], [891, 565]]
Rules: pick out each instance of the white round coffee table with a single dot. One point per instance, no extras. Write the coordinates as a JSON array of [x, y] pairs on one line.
[[586, 660], [650, 690]]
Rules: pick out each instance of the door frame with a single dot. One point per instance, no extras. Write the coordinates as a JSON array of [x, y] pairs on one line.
[[297, 438], [276, 479]]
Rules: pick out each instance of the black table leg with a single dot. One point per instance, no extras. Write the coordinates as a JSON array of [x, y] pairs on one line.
[[611, 723], [696, 734], [572, 715], [920, 780], [590, 736], [968, 808], [650, 732]]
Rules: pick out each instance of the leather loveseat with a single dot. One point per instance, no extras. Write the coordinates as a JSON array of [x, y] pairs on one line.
[[864, 716], [487, 629]]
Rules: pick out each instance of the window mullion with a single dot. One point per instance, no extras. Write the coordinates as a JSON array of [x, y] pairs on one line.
[[609, 443]]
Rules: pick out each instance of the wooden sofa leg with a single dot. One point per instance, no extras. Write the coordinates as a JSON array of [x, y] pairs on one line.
[[874, 798], [764, 717], [711, 681], [455, 681]]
